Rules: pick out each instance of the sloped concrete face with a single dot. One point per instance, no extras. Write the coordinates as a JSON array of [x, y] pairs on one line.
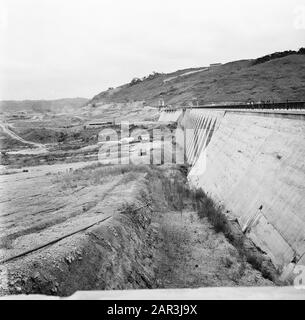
[[252, 164]]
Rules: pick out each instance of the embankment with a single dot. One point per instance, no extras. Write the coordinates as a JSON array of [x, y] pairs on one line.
[[252, 164], [109, 255], [157, 239]]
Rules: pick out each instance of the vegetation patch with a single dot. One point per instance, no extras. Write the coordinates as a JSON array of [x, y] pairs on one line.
[[278, 55], [178, 194], [206, 207]]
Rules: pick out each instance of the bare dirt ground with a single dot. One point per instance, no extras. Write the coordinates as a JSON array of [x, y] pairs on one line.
[[191, 254], [39, 208], [81, 230]]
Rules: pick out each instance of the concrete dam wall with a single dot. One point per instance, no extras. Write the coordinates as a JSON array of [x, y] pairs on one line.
[[251, 163]]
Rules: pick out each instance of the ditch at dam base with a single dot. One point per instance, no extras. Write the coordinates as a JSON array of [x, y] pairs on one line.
[[251, 163]]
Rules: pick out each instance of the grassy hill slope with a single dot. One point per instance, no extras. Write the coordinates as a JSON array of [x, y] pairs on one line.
[[278, 79]]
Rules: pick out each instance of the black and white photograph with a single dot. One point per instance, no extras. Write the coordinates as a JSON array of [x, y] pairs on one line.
[[152, 150]]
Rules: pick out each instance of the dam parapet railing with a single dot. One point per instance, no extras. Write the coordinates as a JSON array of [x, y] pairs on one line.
[[261, 105], [287, 105]]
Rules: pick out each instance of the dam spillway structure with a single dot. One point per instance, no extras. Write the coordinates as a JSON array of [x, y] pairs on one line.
[[250, 161]]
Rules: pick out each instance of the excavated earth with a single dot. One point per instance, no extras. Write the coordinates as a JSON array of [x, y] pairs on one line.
[[129, 236]]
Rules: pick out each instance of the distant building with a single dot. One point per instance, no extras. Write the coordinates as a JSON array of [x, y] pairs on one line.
[[215, 65], [99, 124]]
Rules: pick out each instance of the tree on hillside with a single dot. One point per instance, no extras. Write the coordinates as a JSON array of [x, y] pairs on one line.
[[277, 55], [153, 75], [301, 51], [135, 81]]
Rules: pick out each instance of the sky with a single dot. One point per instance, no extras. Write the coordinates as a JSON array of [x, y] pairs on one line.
[[53, 49]]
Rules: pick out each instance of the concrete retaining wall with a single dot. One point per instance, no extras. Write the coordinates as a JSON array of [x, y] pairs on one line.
[[253, 164]]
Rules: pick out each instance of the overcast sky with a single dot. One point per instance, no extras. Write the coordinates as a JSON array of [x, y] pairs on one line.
[[67, 48]]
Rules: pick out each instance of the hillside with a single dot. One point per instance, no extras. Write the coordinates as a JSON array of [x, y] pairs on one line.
[[278, 79], [42, 106]]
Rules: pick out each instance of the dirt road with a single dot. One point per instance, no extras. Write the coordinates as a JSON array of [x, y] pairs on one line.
[[40, 148]]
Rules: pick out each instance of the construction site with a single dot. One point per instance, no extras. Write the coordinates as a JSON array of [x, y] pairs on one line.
[[188, 182], [183, 201]]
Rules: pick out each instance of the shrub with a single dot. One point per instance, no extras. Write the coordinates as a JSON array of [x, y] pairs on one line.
[[206, 208], [277, 55], [153, 75], [135, 81], [301, 51], [62, 137]]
